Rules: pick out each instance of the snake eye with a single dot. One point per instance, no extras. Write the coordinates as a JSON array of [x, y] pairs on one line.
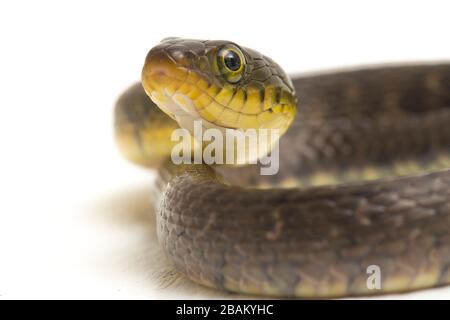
[[231, 63], [232, 60]]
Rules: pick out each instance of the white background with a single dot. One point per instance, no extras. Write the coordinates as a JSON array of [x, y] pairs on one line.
[[72, 211]]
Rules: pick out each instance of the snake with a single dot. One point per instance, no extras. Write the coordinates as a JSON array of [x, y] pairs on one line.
[[360, 204]]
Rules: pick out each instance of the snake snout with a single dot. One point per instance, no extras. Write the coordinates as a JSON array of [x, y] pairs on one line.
[[158, 66], [163, 76], [166, 65]]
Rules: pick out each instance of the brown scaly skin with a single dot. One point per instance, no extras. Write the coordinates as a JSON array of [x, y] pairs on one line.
[[307, 243], [317, 241]]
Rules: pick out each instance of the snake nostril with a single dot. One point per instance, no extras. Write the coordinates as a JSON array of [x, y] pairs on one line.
[[181, 55], [158, 61], [177, 55], [156, 56]]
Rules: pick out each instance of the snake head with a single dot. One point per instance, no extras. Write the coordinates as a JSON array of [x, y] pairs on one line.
[[224, 85]]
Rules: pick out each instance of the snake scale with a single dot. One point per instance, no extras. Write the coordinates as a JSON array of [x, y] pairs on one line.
[[364, 175]]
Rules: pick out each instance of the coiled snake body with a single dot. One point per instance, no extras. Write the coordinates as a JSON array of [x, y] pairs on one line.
[[363, 181]]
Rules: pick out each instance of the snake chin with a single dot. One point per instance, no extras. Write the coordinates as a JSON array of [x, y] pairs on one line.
[[247, 149], [176, 105], [180, 108]]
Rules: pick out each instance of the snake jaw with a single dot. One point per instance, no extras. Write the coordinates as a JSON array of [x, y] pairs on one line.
[[182, 77]]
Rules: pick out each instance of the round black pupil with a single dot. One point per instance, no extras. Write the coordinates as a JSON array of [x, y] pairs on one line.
[[232, 61]]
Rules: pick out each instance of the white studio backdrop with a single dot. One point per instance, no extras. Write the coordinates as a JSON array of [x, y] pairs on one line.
[[64, 232]]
